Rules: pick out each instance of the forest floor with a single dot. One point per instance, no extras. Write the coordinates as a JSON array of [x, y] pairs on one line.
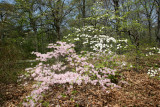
[[138, 91]]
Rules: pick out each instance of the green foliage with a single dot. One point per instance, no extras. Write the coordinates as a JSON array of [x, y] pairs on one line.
[[25, 27], [74, 92], [114, 78], [45, 104], [64, 95], [10, 55]]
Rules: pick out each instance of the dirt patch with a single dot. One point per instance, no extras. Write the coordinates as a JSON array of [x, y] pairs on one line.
[[12, 94], [141, 91]]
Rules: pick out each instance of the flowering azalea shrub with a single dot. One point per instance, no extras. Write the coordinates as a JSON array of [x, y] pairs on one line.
[[67, 68]]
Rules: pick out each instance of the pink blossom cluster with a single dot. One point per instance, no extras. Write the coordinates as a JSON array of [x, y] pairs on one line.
[[77, 70], [61, 50]]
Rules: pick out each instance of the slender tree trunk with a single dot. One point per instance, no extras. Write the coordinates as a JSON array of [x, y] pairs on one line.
[[2, 36], [149, 31], [149, 27], [35, 34], [136, 37], [58, 33], [116, 8], [33, 26], [57, 28], [2, 33], [57, 19], [84, 12], [117, 14], [137, 53], [2, 30], [36, 39], [158, 27]]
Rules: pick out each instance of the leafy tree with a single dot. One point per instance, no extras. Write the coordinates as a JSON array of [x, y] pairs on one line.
[[6, 12], [158, 20], [148, 6]]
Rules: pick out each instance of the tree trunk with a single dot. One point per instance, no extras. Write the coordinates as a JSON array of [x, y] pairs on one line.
[[58, 33], [158, 28], [149, 31], [116, 8], [35, 33], [36, 39], [84, 12], [137, 53]]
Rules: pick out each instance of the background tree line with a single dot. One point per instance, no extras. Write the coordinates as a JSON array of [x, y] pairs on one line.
[[28, 25]]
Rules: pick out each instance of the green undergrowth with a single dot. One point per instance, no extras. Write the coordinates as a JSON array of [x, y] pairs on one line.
[[10, 67]]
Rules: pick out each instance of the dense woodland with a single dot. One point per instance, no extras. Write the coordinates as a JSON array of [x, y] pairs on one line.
[[91, 53]]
